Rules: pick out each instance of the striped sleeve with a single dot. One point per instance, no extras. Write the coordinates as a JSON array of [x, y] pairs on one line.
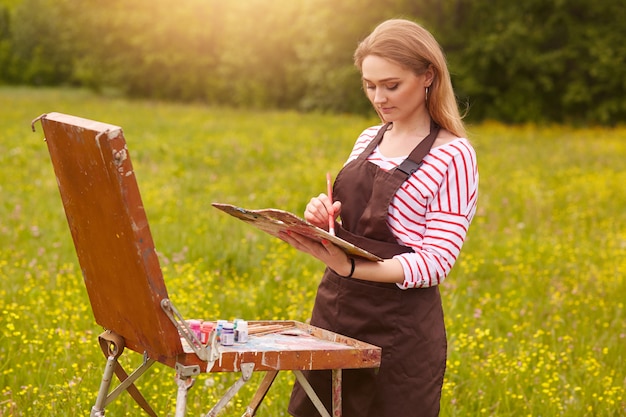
[[432, 212]]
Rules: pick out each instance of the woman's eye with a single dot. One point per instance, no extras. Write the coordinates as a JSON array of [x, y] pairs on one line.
[[389, 87]]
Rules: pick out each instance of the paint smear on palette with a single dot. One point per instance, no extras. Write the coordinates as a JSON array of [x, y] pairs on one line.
[[294, 339]]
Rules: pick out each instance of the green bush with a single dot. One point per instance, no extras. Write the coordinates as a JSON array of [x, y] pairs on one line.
[[516, 62]]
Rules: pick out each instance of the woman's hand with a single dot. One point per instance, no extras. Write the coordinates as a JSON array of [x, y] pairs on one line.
[[318, 210], [388, 270], [335, 258]]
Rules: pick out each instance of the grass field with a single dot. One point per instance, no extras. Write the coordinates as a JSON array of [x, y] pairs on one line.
[[535, 307]]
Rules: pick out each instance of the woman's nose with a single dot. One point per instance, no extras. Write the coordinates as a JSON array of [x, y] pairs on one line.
[[379, 96]]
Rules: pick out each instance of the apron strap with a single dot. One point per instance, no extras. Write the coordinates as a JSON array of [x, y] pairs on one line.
[[414, 161], [374, 143]]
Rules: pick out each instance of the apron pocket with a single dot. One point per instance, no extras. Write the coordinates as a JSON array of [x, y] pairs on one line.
[[367, 312]]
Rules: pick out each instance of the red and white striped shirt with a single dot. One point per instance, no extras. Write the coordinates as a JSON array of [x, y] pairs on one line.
[[432, 210]]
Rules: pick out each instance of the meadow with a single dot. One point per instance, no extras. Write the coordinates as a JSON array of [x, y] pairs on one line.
[[535, 307]]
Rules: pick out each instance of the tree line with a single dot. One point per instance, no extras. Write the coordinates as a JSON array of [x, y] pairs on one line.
[[531, 61]]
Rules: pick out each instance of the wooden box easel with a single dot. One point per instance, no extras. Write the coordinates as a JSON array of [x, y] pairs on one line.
[[129, 298]]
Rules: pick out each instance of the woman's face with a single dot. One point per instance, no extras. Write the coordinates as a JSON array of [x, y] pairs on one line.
[[397, 93]]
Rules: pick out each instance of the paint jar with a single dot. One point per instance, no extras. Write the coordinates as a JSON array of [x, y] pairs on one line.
[[241, 331], [194, 325], [205, 332], [236, 323], [219, 327], [227, 337]]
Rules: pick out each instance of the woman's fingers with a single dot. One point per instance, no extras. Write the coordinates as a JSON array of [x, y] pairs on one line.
[[317, 210]]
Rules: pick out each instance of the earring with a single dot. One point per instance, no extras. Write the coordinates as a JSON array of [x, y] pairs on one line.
[[427, 88]]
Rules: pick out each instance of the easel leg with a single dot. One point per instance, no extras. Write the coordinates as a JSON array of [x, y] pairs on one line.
[[311, 393], [336, 392], [246, 373], [256, 401], [184, 381], [98, 409], [184, 384]]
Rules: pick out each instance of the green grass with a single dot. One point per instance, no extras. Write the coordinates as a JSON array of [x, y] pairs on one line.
[[534, 307]]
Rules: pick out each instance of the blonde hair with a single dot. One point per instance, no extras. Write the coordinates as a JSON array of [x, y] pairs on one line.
[[411, 46]]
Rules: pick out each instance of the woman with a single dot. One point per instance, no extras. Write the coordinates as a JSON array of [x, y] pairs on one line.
[[407, 194]]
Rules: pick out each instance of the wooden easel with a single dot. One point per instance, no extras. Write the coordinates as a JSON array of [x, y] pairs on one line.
[[128, 295]]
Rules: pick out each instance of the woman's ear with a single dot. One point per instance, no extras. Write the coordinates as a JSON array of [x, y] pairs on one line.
[[429, 76]]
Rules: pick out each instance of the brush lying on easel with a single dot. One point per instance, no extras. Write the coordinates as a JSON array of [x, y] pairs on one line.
[[261, 328]]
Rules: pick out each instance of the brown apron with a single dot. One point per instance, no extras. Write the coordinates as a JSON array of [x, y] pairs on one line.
[[407, 324]]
